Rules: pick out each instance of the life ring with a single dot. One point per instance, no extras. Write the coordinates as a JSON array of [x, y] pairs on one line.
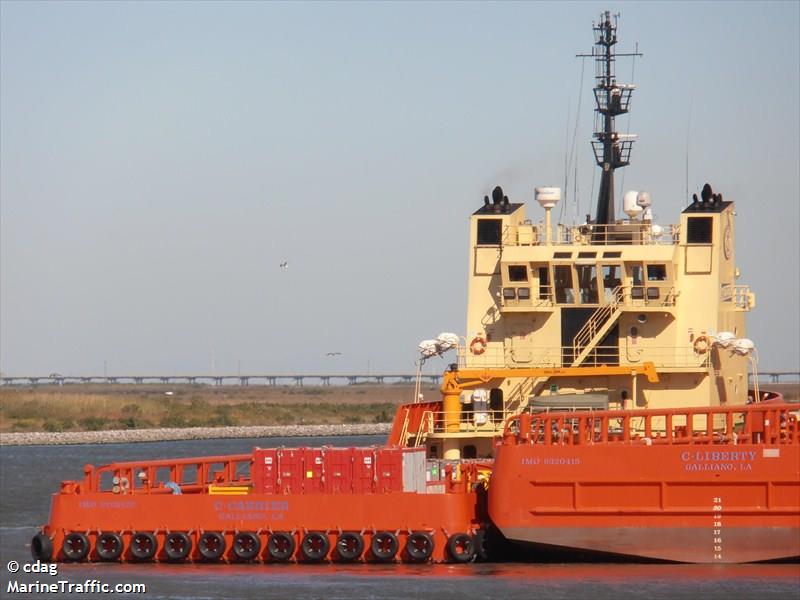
[[280, 546], [478, 345], [246, 545], [350, 546], [75, 547], [42, 548], [384, 546], [702, 344], [109, 546], [211, 545], [419, 546], [143, 545], [177, 546], [577, 238], [315, 546], [460, 547]]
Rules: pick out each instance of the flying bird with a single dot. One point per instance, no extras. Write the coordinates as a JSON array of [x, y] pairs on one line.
[[333, 354], [284, 264]]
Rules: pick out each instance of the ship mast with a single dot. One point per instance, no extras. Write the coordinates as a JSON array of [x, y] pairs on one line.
[[612, 150]]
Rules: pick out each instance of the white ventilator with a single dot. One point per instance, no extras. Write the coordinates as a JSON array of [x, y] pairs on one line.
[[447, 341], [724, 339], [428, 348]]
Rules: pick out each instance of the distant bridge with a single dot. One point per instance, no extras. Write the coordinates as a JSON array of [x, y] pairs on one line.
[[273, 380], [257, 379], [778, 376]]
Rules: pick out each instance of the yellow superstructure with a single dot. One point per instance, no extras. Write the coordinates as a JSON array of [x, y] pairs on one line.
[[570, 319]]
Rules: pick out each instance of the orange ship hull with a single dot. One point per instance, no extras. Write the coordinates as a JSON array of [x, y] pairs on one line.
[[441, 515], [301, 504], [677, 500]]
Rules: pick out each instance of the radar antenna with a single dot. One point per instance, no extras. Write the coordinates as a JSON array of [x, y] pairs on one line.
[[612, 150]]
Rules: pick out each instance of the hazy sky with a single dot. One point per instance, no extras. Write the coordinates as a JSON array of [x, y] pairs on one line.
[[158, 161]]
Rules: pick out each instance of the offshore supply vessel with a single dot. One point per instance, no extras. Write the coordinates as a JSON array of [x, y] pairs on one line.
[[599, 403]]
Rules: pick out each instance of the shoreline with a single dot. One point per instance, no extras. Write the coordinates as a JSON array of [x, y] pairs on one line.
[[162, 434]]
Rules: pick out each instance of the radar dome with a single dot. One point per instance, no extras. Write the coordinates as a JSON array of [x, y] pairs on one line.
[[629, 204], [548, 197]]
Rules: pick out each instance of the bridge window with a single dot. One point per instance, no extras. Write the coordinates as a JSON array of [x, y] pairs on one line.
[[612, 277], [656, 272], [565, 292], [489, 232], [699, 229], [517, 273], [544, 282], [637, 282], [637, 275], [587, 281]]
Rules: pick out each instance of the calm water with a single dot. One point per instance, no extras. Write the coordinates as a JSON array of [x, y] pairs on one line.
[[28, 475]]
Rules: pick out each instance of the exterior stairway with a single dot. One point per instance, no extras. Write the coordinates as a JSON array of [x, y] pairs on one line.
[[597, 327]]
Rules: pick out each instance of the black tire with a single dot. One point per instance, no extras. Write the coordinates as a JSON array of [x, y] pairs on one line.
[[108, 546], [143, 545], [42, 548], [419, 546], [281, 546], [75, 547], [211, 545], [246, 545], [460, 548], [315, 546], [350, 546], [384, 546], [177, 546]]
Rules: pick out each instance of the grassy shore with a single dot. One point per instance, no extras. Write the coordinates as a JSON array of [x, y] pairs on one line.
[[97, 407]]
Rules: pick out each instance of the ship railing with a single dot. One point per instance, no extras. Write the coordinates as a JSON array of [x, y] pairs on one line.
[[631, 351], [738, 295], [761, 423], [626, 234], [526, 234], [631, 233], [469, 420], [172, 476]]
